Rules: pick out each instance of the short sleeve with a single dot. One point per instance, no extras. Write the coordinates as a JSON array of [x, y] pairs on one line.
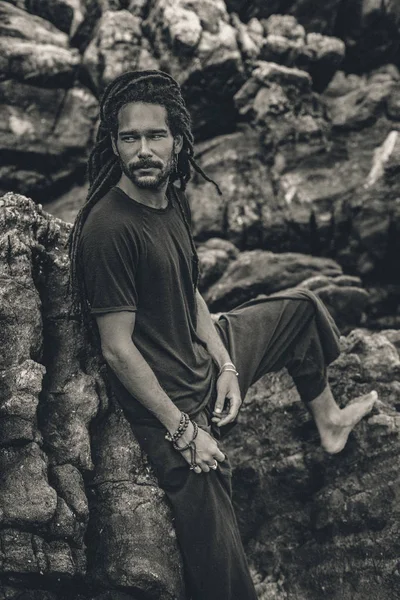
[[109, 260]]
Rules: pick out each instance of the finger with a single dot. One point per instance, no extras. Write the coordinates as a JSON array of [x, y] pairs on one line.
[[197, 470], [218, 455], [220, 401], [231, 416]]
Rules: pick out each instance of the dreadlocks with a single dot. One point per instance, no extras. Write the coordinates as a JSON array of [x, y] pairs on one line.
[[154, 87]]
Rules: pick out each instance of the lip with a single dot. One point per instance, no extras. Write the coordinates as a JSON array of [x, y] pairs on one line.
[[146, 168]]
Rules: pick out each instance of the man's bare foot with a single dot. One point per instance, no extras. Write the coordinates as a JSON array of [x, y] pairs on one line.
[[335, 424]]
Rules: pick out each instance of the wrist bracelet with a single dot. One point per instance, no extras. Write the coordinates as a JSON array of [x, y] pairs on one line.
[[183, 425], [228, 366]]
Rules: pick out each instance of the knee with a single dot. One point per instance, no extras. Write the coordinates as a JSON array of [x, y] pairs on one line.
[[307, 304]]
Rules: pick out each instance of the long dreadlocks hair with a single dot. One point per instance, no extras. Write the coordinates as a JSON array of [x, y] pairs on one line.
[[104, 170]]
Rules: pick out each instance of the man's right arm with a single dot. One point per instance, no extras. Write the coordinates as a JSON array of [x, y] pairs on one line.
[[134, 372]]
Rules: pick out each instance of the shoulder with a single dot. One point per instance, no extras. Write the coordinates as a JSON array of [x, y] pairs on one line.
[[111, 226], [110, 216]]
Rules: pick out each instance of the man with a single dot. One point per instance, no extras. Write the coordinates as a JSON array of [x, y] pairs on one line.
[[134, 268]]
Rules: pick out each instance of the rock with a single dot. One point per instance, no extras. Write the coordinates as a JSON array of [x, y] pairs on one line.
[[344, 297], [237, 163], [321, 55], [320, 18], [198, 46], [86, 449], [214, 257], [384, 307], [27, 554], [248, 44], [393, 103], [381, 156], [66, 206], [279, 101], [68, 482], [304, 513], [130, 518], [370, 34], [117, 46], [24, 478], [45, 136], [66, 15], [33, 50], [361, 106], [287, 43], [261, 272]]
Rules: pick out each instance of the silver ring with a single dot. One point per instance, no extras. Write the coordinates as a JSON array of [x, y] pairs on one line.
[[214, 466]]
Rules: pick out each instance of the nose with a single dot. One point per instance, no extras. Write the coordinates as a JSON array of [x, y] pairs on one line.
[[144, 150]]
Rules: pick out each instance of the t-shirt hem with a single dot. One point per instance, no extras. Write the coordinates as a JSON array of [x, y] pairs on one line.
[[112, 309]]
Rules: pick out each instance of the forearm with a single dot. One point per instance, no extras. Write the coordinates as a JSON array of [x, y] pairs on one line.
[[207, 332], [140, 380]]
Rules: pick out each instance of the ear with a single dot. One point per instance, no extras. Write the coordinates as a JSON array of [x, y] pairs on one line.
[[178, 143], [114, 146]]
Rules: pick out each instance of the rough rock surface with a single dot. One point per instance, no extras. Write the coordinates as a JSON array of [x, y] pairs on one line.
[[45, 134], [195, 42], [280, 101], [71, 471], [81, 517], [33, 50], [318, 525], [117, 46], [369, 28], [260, 272]]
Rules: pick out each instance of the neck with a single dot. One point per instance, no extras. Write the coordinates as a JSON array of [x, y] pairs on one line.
[[153, 198]]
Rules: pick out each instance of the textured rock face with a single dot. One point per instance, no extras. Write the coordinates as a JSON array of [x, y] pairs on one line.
[[81, 517], [44, 133], [196, 43], [71, 471], [369, 28], [319, 526]]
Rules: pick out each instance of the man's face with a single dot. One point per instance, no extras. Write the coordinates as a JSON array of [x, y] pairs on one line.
[[145, 145]]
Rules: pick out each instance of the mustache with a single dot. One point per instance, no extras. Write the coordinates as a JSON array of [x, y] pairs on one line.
[[146, 164]]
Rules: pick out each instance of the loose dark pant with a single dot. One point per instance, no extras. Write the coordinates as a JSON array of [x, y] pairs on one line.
[[261, 336]]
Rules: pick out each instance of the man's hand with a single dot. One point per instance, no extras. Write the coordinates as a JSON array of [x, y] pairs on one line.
[[207, 452], [229, 395]]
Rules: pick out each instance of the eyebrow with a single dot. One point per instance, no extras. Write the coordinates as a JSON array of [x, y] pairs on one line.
[[137, 132]]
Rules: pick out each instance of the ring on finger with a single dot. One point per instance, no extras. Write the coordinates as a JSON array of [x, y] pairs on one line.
[[214, 466]]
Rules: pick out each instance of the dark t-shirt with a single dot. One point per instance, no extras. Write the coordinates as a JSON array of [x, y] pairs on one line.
[[139, 258]]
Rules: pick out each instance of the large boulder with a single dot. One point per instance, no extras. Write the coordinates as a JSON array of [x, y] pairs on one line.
[[369, 28], [45, 135], [279, 101], [318, 525], [117, 45], [33, 50], [320, 18], [66, 452], [342, 203], [196, 43], [66, 15], [357, 106], [81, 515]]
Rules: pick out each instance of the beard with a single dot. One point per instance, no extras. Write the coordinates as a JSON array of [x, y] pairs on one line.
[[147, 181]]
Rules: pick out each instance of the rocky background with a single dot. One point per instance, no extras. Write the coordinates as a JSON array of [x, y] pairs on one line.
[[296, 111]]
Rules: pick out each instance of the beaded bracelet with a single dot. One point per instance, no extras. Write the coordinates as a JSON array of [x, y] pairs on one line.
[[190, 446], [183, 425]]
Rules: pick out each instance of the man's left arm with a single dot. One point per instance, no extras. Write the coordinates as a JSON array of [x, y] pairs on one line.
[[228, 392]]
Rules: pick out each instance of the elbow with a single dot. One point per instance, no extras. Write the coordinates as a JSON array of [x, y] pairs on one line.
[[113, 354]]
